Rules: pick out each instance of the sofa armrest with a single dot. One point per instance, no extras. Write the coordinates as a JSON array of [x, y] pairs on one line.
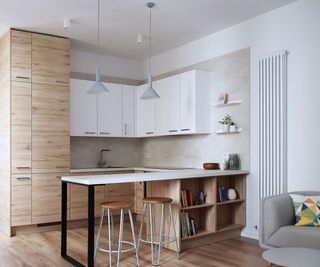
[[275, 212]]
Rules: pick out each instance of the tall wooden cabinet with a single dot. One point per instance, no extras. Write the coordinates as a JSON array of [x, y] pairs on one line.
[[35, 69]]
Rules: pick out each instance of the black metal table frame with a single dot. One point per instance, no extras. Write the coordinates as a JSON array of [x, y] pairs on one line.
[[91, 221], [64, 225]]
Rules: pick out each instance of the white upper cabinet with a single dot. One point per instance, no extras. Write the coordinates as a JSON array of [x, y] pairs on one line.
[[184, 107], [195, 102], [147, 114], [83, 109], [110, 111], [128, 111], [168, 106]]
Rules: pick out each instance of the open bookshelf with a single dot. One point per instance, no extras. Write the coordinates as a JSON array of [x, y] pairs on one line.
[[213, 220]]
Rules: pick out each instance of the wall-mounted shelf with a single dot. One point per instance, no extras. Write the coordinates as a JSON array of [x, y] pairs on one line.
[[222, 132], [230, 103]]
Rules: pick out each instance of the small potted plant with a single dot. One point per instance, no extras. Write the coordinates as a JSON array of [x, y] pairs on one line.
[[233, 127], [225, 123]]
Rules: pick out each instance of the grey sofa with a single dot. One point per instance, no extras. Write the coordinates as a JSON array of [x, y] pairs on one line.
[[277, 224]]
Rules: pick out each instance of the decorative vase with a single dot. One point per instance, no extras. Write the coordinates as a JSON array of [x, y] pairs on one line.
[[226, 128], [223, 165], [233, 128], [234, 162], [232, 194], [202, 197]]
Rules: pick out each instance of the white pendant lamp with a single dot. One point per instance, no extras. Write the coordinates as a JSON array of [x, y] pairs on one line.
[[150, 93], [98, 87]]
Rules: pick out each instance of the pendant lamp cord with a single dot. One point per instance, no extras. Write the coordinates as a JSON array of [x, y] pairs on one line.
[[98, 30], [150, 41]]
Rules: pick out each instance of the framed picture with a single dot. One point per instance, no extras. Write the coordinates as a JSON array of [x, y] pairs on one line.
[[223, 99]]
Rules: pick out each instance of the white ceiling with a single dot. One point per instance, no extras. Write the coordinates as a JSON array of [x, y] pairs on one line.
[[175, 22]]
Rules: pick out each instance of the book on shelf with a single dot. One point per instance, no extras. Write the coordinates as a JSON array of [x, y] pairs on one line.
[[186, 198], [188, 226], [222, 196]]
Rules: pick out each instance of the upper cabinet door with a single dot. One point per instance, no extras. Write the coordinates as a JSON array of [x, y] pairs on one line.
[[188, 102], [168, 106], [128, 109], [110, 111], [20, 56], [50, 59], [83, 109], [147, 114], [50, 128]]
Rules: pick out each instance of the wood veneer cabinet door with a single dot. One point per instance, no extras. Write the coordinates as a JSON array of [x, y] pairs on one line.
[[117, 192], [50, 59], [46, 197], [138, 197], [20, 127], [50, 128], [20, 199], [20, 56], [79, 201]]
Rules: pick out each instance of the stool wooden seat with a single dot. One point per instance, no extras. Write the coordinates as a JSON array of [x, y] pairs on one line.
[[115, 205], [157, 200]]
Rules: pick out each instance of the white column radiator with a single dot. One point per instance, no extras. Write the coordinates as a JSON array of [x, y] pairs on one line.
[[272, 124]]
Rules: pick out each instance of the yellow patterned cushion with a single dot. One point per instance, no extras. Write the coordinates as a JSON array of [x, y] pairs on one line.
[[307, 210]]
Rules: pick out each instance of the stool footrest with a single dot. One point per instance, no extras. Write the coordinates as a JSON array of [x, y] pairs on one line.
[[173, 239], [116, 251]]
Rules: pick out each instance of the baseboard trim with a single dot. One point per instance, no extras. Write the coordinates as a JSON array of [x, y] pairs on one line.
[[250, 232]]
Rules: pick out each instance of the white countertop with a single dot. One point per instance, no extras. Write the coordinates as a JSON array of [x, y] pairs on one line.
[[148, 177], [114, 169]]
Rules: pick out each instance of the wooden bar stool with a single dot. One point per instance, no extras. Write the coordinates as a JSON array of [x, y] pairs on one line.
[[155, 239], [110, 206]]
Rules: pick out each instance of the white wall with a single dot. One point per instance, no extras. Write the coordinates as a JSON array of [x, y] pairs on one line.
[[230, 73], [84, 62], [295, 28]]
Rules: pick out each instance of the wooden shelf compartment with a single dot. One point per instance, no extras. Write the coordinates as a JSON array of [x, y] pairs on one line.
[[230, 202], [229, 216], [236, 182], [203, 221], [229, 227], [231, 212], [200, 233], [200, 206], [205, 185]]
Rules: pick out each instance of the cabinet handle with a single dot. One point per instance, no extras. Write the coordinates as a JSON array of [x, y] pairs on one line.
[[23, 168], [184, 130], [22, 77], [149, 132], [125, 128], [104, 133], [173, 131], [62, 167], [23, 178], [90, 132], [60, 81]]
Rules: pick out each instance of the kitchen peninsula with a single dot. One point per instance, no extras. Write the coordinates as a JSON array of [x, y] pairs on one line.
[[215, 220]]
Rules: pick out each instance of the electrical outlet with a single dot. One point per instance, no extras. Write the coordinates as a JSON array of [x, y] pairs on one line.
[[147, 155]]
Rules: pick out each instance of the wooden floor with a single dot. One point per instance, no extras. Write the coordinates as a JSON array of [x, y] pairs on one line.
[[43, 250]]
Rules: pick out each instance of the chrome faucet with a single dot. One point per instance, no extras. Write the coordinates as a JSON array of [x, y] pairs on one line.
[[101, 161]]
